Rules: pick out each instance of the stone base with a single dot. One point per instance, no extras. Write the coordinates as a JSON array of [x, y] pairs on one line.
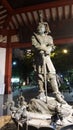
[[3, 99], [2, 88], [39, 114], [68, 127], [8, 124]]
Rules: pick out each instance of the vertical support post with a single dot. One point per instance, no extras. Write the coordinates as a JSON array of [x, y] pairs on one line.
[[8, 70], [8, 66]]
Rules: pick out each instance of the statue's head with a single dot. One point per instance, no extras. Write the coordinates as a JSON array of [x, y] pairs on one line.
[[43, 27]]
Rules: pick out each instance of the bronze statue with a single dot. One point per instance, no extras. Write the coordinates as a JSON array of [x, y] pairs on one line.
[[42, 43], [46, 111]]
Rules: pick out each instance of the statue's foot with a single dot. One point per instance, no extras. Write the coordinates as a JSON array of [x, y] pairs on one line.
[[60, 99]]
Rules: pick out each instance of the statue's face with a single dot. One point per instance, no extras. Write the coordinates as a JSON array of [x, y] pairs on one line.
[[41, 28]]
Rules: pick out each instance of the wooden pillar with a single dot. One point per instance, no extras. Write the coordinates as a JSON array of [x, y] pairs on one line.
[[8, 70], [8, 66]]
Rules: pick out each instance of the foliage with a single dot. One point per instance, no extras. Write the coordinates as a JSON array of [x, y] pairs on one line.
[[23, 67], [61, 61]]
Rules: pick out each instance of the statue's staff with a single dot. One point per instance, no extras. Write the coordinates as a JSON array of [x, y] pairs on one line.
[[45, 78]]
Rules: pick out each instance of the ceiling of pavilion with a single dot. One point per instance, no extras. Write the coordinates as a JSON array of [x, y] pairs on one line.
[[22, 3], [23, 15]]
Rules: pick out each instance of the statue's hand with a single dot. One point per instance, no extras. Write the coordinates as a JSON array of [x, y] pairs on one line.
[[41, 52], [47, 53], [53, 48], [48, 50]]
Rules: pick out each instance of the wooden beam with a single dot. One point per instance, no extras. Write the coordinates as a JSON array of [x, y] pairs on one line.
[[63, 12], [33, 17], [3, 45], [7, 6], [13, 24], [5, 32], [27, 19], [29, 44], [44, 15], [57, 14], [2, 14], [17, 21], [28, 22], [70, 11], [20, 45], [44, 6], [7, 20], [51, 15], [63, 41], [23, 23], [10, 12]]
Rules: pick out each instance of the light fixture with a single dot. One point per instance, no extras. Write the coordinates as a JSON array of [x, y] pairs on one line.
[[14, 63], [65, 51]]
